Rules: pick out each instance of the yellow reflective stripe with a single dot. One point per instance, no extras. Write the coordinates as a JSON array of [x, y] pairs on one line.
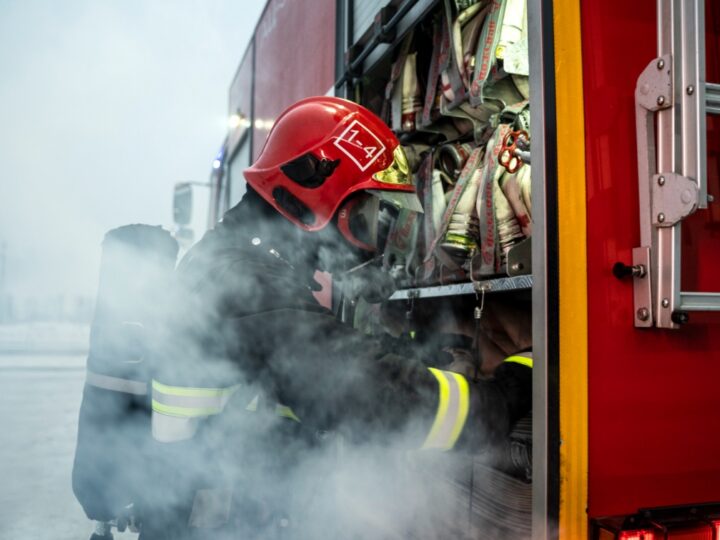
[[453, 407], [464, 407], [184, 412], [286, 412], [442, 408], [253, 405], [192, 392], [188, 402], [524, 360]]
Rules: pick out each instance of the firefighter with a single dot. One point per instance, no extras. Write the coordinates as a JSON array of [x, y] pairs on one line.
[[248, 342]]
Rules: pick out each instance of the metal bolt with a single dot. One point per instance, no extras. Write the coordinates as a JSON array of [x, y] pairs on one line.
[[661, 181], [660, 63], [256, 241], [661, 217], [661, 100], [516, 266], [643, 314], [665, 303], [711, 198], [690, 90]]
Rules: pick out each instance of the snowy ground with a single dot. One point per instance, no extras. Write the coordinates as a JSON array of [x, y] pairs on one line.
[[39, 399], [39, 338]]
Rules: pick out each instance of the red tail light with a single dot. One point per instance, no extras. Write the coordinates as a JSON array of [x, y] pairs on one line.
[[692, 522], [642, 534], [702, 532]]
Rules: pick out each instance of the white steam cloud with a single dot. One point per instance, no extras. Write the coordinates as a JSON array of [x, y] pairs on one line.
[[255, 474]]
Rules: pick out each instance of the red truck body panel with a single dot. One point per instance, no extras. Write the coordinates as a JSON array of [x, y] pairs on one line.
[[294, 58], [654, 404]]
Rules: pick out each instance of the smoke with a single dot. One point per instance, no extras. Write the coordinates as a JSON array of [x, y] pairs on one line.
[[344, 464], [104, 106]]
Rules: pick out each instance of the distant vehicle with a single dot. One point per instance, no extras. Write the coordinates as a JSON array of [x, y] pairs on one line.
[[191, 203]]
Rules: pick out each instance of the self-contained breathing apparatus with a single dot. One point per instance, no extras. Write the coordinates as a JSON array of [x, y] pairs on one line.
[[110, 474]]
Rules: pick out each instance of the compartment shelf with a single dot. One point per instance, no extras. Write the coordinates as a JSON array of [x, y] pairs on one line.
[[499, 284]]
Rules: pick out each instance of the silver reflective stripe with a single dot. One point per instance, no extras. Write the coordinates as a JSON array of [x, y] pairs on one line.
[[177, 410], [116, 384], [166, 428], [192, 402], [453, 406], [189, 402]]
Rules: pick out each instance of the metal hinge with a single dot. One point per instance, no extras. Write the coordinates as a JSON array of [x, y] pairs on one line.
[[674, 197]]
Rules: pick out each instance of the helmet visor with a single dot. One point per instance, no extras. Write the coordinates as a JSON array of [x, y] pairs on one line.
[[398, 173], [407, 200]]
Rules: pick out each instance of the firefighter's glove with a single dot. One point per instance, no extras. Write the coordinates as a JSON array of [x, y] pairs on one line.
[[497, 403]]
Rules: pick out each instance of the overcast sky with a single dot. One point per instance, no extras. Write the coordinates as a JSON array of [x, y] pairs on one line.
[[104, 105]]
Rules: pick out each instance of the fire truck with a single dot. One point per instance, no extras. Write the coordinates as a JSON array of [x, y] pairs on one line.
[[612, 106]]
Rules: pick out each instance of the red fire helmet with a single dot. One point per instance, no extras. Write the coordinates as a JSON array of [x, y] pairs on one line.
[[323, 149]]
